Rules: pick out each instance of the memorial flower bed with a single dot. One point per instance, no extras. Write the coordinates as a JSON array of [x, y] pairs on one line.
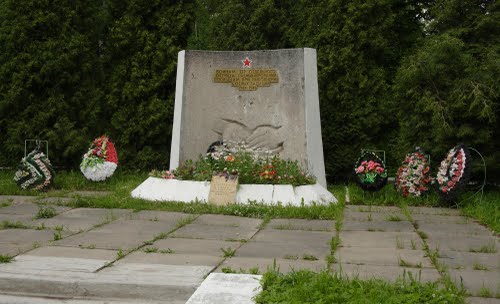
[[454, 172], [238, 160], [100, 162], [413, 177], [370, 173]]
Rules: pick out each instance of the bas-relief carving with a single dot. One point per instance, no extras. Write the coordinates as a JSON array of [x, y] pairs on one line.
[[264, 137]]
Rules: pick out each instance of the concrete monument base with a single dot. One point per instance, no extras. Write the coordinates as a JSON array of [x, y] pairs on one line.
[[158, 189]]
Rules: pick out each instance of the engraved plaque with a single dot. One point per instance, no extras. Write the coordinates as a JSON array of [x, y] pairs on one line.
[[247, 80], [222, 190]]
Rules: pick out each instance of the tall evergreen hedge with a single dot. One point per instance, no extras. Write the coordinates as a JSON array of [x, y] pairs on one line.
[[392, 74]]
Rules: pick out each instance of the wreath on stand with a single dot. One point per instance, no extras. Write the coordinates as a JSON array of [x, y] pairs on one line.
[[35, 171], [413, 177], [370, 172], [454, 173], [100, 162]]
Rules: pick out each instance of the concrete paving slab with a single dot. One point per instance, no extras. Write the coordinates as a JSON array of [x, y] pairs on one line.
[[14, 218], [214, 232], [219, 227], [293, 250], [18, 299], [389, 273], [123, 280], [370, 216], [173, 259], [72, 252], [113, 240], [241, 264], [448, 242], [27, 208], [29, 264], [98, 213], [148, 229], [471, 229], [194, 246], [475, 280], [17, 198], [382, 256], [315, 238], [228, 289], [156, 216], [228, 221], [55, 200], [433, 211], [467, 260], [373, 209], [71, 224], [301, 224], [391, 226], [24, 237], [370, 239], [441, 219], [478, 300]]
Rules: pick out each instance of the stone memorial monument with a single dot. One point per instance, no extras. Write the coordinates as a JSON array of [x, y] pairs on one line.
[[267, 99]]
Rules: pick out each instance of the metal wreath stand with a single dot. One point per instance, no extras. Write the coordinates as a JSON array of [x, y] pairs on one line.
[[480, 189]]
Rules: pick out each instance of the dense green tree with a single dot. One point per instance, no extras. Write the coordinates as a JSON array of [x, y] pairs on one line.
[[448, 87], [141, 47], [49, 73]]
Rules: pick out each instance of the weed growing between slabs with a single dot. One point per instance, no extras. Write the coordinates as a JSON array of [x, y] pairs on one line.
[[326, 287]]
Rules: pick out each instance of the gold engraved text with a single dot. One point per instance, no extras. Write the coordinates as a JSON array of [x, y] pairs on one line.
[[247, 80]]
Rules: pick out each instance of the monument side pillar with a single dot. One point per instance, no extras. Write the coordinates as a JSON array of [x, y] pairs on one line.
[[316, 163], [178, 108]]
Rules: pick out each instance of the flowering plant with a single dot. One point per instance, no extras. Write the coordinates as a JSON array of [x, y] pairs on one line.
[[413, 177], [100, 161], [454, 172], [34, 172], [233, 160], [370, 172]]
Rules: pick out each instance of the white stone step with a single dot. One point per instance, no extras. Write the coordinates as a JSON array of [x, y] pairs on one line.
[[227, 288], [76, 277]]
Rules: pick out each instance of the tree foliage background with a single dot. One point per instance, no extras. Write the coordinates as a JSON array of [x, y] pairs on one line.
[[393, 74]]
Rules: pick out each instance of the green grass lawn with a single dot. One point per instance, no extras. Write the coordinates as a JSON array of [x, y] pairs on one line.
[[326, 287]]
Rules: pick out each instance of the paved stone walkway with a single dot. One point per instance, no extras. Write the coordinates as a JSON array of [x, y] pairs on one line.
[[150, 256]]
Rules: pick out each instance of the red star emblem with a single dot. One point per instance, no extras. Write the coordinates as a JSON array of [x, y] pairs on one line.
[[247, 63]]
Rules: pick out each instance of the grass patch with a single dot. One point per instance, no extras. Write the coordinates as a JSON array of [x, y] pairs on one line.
[[290, 257], [485, 292], [478, 266], [404, 263], [486, 211], [324, 287], [166, 251], [45, 212], [393, 218], [12, 225], [5, 258], [388, 196], [422, 235], [253, 270], [228, 252], [309, 257], [150, 250], [490, 248]]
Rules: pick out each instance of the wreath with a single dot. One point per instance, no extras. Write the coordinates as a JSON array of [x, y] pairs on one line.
[[454, 172], [35, 172], [100, 161], [370, 172], [413, 177]]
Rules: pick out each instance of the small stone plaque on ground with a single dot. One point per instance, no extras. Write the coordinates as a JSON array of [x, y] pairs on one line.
[[223, 190]]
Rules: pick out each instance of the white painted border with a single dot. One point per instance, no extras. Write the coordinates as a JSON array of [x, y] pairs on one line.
[[159, 189]]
